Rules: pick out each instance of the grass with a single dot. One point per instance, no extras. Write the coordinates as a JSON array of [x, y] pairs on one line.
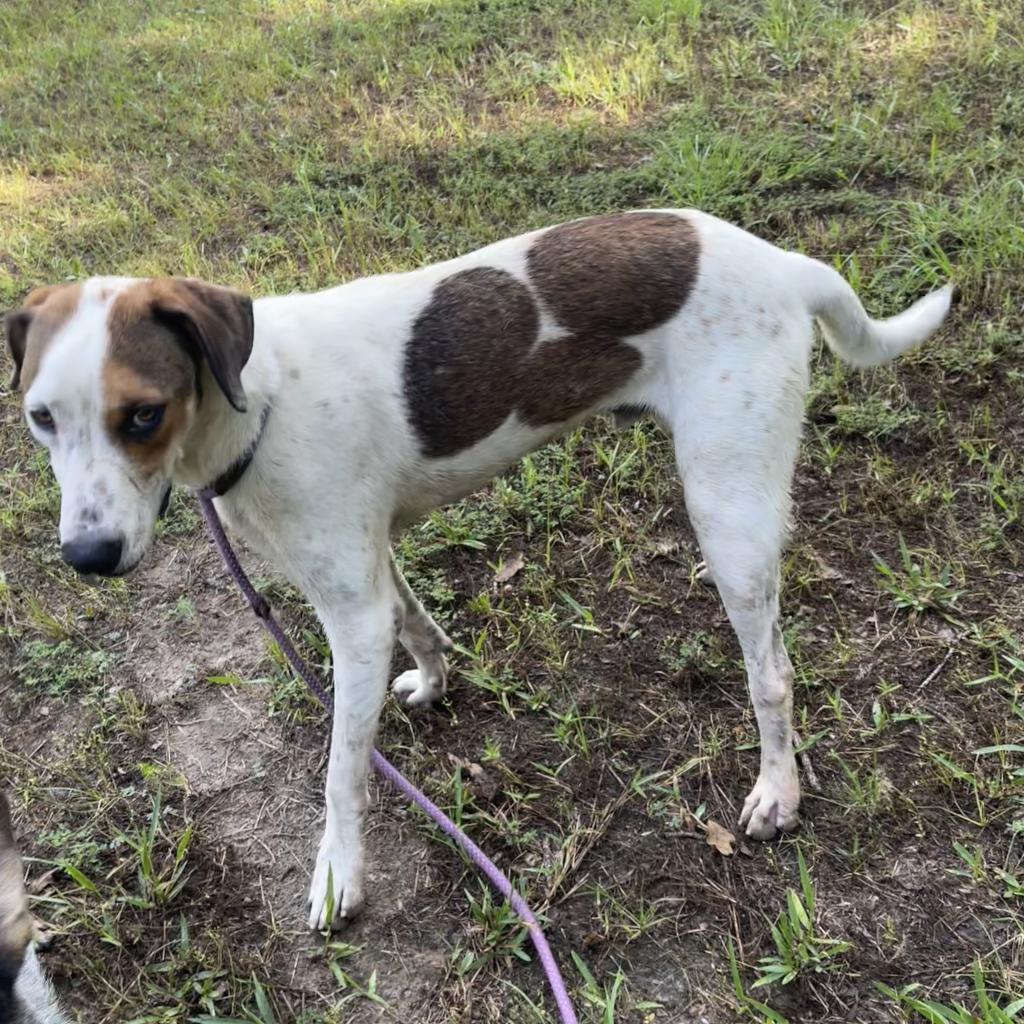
[[800, 948], [168, 768], [986, 1009]]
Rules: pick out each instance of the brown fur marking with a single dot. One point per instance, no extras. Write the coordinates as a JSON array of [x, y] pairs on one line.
[[463, 362], [145, 345], [615, 276], [567, 377], [474, 357], [145, 365], [31, 329], [212, 321]]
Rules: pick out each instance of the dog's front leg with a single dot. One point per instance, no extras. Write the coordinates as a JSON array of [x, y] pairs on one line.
[[361, 631]]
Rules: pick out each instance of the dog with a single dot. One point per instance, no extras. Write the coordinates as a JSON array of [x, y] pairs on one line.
[[326, 421], [25, 994]]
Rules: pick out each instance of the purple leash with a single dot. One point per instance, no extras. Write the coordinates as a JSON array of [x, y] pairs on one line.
[[384, 767]]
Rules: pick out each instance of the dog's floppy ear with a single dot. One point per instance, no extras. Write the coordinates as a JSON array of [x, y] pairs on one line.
[[16, 325], [16, 328], [15, 920], [216, 322]]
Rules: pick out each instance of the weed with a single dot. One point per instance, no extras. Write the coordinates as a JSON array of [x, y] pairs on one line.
[[865, 791], [800, 948], [700, 652], [61, 668], [161, 876], [498, 933], [630, 918], [337, 954], [259, 1012], [874, 418], [606, 998], [290, 697], [988, 1010], [917, 585]]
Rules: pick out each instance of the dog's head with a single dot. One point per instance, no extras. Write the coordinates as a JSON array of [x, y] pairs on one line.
[[113, 371], [15, 920]]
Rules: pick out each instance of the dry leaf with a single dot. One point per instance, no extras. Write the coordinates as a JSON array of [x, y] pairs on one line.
[[484, 785], [510, 568], [720, 838]]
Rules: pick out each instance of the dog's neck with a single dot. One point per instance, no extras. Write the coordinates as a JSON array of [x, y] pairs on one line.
[[220, 435]]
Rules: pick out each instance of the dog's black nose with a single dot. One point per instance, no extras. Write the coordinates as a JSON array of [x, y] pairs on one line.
[[92, 554]]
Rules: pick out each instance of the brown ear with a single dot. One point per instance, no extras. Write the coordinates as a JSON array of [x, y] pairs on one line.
[[216, 322], [16, 325]]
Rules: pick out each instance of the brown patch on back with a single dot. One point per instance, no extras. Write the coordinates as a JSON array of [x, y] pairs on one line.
[[564, 379], [615, 276], [145, 365], [31, 329], [463, 362], [474, 356]]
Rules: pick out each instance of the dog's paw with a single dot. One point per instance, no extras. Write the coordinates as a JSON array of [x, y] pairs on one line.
[[414, 689], [773, 806], [336, 892], [704, 576]]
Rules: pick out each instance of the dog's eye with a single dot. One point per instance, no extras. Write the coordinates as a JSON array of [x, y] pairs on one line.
[[143, 419], [43, 418]]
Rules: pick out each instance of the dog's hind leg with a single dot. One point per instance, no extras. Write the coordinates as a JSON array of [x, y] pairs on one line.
[[736, 465], [424, 639], [740, 532]]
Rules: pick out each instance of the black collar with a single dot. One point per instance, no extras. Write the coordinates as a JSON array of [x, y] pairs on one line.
[[237, 469]]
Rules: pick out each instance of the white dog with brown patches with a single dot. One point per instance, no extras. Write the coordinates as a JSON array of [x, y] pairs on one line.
[[329, 420]]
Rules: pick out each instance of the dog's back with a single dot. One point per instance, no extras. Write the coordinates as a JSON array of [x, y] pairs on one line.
[[25, 995]]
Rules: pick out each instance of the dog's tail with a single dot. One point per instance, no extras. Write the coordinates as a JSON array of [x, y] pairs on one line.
[[852, 334]]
